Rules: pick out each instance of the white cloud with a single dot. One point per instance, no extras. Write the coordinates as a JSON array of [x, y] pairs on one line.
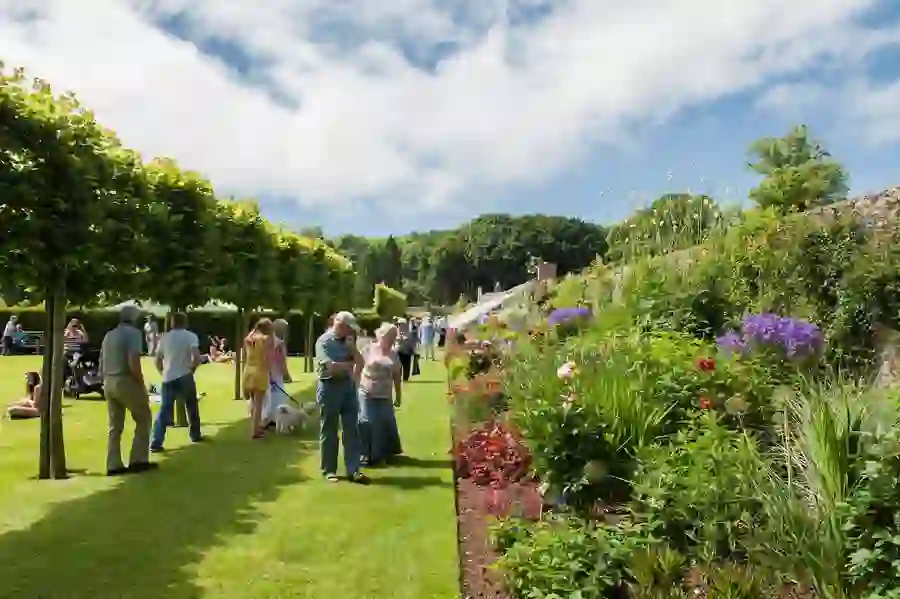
[[875, 108], [514, 104]]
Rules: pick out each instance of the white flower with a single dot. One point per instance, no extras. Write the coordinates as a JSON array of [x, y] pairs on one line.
[[566, 371]]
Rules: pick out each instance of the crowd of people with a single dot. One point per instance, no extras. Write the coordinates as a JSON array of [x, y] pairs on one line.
[[357, 392]]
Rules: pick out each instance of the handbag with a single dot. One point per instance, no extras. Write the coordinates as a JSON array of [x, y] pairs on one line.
[[415, 365]]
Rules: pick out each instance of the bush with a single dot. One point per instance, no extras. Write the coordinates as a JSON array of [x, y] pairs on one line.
[[833, 272], [586, 407], [702, 491], [368, 320], [566, 558], [389, 303], [206, 323]]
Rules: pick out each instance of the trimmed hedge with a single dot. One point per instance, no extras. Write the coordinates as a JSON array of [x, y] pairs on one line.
[[389, 303], [206, 323]]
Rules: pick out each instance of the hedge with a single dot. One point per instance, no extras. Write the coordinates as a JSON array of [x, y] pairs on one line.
[[206, 323], [389, 303]]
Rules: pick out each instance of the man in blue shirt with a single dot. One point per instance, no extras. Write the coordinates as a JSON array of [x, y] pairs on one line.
[[338, 365]]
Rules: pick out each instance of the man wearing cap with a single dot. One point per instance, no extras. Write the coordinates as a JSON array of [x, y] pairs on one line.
[[9, 333], [123, 386], [338, 364]]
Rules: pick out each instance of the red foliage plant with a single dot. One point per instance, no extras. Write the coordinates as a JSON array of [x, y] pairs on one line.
[[493, 456]]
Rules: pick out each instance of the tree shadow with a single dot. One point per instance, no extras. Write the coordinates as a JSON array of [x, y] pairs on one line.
[[413, 462], [409, 483], [141, 538]]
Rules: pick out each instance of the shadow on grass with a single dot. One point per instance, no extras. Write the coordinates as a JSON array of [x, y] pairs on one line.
[[408, 483], [141, 538], [412, 462]]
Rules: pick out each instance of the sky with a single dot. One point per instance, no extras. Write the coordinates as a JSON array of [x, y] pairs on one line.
[[386, 116]]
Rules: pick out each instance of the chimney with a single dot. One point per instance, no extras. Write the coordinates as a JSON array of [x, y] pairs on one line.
[[546, 271]]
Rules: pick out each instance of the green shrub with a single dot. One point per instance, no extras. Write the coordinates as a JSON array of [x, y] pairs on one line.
[[566, 558], [389, 303], [701, 490], [833, 272]]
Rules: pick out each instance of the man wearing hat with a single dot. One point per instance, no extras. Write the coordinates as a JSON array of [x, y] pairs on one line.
[[125, 391], [338, 364]]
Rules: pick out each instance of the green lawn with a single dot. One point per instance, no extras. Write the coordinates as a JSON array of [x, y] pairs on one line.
[[232, 518]]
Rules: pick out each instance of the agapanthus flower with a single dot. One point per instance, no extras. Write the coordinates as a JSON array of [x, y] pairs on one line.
[[562, 316], [732, 343], [797, 338]]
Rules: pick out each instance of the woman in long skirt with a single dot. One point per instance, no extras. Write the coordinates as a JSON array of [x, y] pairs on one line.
[[380, 389]]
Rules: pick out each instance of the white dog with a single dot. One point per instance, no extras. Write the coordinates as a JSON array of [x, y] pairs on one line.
[[289, 419]]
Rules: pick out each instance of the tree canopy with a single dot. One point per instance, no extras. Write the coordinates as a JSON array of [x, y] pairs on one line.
[[86, 220], [798, 174], [438, 266]]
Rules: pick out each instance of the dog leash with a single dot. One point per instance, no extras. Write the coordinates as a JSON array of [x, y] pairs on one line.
[[274, 385]]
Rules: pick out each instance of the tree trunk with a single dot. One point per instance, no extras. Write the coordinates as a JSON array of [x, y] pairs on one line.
[[46, 375], [180, 408], [57, 442], [238, 352], [310, 342]]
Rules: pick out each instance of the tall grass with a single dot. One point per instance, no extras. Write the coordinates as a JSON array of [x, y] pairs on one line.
[[827, 425]]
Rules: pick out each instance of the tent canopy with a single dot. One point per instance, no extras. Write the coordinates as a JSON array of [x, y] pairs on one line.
[[162, 309], [471, 316]]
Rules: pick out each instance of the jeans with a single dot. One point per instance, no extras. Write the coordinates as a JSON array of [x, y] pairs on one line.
[[186, 389], [339, 408]]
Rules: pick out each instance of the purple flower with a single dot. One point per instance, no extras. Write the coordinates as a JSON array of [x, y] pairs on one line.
[[796, 338], [563, 316], [732, 343]]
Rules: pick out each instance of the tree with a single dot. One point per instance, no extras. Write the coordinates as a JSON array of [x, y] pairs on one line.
[[393, 263], [70, 193], [249, 275], [179, 255], [798, 173]]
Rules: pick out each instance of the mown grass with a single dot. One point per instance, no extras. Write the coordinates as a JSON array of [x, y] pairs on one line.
[[227, 519]]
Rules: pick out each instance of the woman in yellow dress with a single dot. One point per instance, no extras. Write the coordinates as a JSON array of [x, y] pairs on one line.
[[256, 372]]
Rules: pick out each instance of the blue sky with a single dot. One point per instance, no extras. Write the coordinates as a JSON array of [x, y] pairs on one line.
[[374, 117]]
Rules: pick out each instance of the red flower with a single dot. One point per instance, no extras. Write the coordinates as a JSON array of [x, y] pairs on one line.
[[705, 403], [706, 364]]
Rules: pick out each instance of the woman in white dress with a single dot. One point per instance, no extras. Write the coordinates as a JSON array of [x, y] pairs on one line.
[[278, 372]]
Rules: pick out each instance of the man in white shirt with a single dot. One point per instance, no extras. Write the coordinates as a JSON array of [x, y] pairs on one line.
[[177, 358], [9, 332]]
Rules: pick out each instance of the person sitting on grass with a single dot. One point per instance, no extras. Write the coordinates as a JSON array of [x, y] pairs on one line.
[[217, 352], [30, 405]]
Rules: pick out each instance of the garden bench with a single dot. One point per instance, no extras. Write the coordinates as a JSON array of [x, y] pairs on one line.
[[33, 340]]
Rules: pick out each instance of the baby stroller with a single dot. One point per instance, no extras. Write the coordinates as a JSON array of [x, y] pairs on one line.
[[82, 374]]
